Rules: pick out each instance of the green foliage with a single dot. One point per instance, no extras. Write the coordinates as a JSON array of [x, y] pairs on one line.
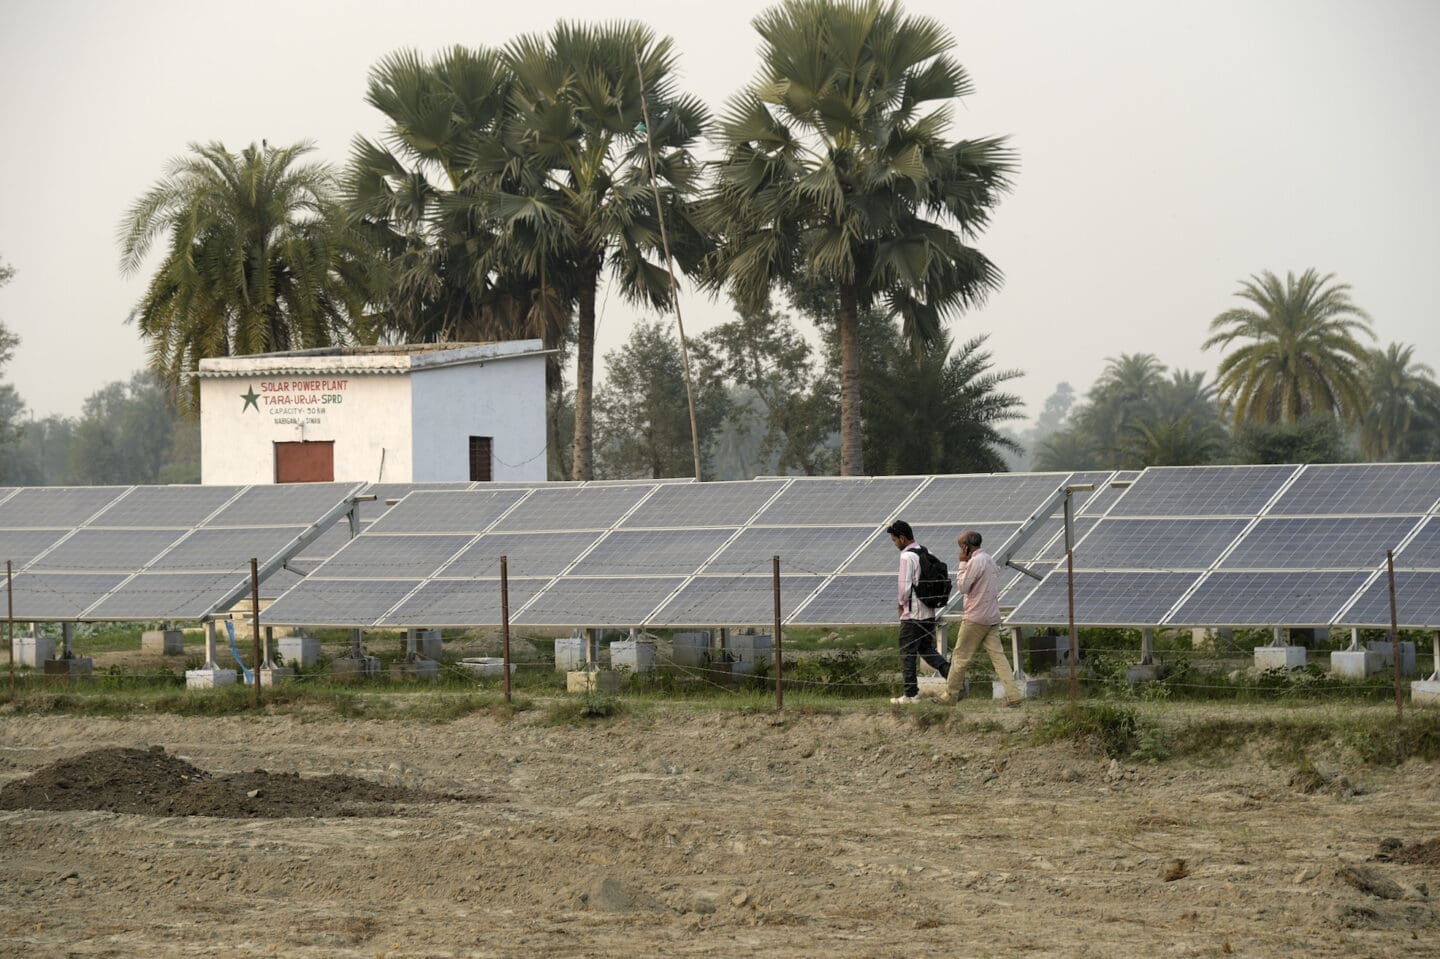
[[643, 413], [836, 174], [1401, 419], [259, 258], [1316, 438], [585, 708], [1294, 351], [1112, 728], [841, 673]]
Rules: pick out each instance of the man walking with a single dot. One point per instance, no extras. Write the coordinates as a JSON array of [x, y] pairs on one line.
[[978, 582], [917, 621]]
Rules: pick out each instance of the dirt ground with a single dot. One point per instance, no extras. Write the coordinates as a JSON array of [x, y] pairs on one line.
[[683, 832]]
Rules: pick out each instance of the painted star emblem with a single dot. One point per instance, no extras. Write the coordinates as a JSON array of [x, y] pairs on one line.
[[251, 398]]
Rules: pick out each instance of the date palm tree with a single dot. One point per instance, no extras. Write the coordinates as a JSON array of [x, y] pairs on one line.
[[583, 192], [259, 258], [836, 172], [1295, 349], [1404, 405]]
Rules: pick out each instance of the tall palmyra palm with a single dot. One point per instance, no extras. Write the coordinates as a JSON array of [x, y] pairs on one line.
[[1404, 400], [1295, 350], [425, 192], [259, 259], [584, 192], [836, 172]]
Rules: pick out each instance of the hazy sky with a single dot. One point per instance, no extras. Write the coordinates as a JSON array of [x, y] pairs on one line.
[[1168, 150]]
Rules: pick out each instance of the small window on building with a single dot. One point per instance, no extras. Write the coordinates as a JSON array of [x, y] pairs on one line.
[[305, 462], [480, 452]]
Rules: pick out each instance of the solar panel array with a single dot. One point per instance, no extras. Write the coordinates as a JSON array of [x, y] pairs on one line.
[[1256, 546], [105, 553], [651, 554]]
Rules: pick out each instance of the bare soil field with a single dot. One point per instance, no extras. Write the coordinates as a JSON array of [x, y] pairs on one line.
[[689, 832]]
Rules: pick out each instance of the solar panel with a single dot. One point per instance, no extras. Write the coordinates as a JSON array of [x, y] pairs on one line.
[[527, 554], [151, 596], [223, 550], [1268, 599], [1157, 544], [397, 556], [429, 511], [598, 601], [809, 549], [652, 552], [585, 507], [59, 596], [165, 507], [703, 504], [981, 498], [850, 600], [1422, 552], [1106, 493], [1362, 489], [880, 555], [288, 504], [122, 550], [338, 602], [458, 603], [1310, 543], [734, 600], [38, 507], [834, 502], [20, 546], [1417, 602], [1175, 491], [1103, 598]]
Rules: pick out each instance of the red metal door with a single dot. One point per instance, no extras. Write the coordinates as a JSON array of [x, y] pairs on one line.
[[305, 462]]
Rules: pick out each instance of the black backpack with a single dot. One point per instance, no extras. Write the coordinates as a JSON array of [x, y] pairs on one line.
[[932, 586]]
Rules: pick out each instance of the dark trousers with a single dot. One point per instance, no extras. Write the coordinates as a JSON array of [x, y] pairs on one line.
[[917, 638]]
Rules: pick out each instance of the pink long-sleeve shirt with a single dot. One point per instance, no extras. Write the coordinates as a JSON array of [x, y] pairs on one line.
[[978, 582]]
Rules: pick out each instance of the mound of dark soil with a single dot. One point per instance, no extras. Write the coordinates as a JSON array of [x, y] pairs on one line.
[[1425, 853], [154, 783]]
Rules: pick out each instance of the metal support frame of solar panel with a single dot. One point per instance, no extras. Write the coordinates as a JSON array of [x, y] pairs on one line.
[[1253, 580], [156, 553], [674, 554]]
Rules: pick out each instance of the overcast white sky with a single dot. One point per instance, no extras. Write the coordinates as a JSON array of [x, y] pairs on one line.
[[1168, 151]]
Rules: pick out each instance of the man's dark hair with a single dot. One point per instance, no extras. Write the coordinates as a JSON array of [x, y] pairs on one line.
[[972, 539], [901, 529]]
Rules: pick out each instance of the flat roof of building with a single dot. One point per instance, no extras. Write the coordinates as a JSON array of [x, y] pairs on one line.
[[385, 359]]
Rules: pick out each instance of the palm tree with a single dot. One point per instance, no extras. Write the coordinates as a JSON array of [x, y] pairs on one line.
[[1122, 395], [1404, 405], [583, 194], [425, 193], [260, 258], [1297, 350], [836, 172], [1179, 426]]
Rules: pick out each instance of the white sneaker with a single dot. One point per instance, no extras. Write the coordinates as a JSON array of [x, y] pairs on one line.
[[904, 700]]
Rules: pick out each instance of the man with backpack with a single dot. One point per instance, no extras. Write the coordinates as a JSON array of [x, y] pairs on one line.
[[919, 582]]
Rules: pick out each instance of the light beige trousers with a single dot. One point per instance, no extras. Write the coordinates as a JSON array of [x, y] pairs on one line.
[[967, 644]]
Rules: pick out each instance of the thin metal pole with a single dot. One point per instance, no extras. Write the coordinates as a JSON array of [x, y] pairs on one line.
[[255, 620], [669, 268], [505, 621], [10, 623], [775, 584], [1394, 635], [1070, 590]]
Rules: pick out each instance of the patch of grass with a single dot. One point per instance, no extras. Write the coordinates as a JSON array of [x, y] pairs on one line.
[[586, 708], [1110, 727]]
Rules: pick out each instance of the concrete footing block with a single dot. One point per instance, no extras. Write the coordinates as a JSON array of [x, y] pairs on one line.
[[1279, 657], [209, 678], [32, 651], [933, 687], [1029, 689], [270, 675], [592, 681], [690, 649], [73, 670], [1386, 651], [170, 642], [1425, 691], [487, 666], [1356, 663], [303, 651]]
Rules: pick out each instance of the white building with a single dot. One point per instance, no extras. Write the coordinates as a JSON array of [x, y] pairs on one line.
[[396, 414]]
